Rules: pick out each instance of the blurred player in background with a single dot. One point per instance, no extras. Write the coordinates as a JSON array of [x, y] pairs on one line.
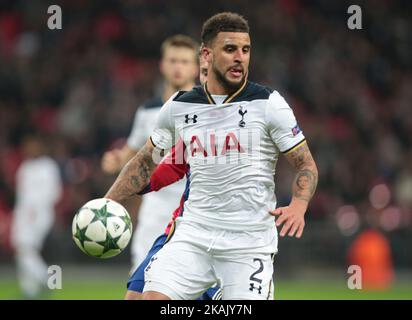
[[38, 189], [179, 67]]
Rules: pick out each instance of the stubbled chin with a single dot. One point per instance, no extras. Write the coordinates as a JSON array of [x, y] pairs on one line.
[[233, 85], [235, 81]]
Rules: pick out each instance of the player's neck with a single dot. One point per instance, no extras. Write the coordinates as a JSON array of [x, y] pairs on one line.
[[169, 89], [215, 87]]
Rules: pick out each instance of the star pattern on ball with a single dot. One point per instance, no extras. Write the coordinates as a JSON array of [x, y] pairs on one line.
[[103, 221], [128, 222], [81, 235], [102, 215], [110, 243]]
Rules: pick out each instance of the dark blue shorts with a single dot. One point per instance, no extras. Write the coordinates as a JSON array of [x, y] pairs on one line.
[[136, 281]]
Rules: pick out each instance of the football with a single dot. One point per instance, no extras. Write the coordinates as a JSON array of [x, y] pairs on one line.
[[102, 228]]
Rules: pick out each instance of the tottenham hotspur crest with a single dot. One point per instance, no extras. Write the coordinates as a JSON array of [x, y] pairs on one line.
[[242, 122]]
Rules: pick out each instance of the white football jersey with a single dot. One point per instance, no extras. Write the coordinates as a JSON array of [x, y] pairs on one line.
[[38, 182], [144, 122], [232, 149], [157, 207], [38, 188]]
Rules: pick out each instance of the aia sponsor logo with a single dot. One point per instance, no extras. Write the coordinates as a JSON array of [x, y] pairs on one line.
[[213, 148]]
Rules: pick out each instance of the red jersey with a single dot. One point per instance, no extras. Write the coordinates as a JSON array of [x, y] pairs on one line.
[[170, 170]]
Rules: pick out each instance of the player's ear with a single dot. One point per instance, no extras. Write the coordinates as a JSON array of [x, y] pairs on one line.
[[206, 53]]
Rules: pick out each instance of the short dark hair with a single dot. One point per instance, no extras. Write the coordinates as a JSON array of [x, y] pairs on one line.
[[179, 40], [223, 22]]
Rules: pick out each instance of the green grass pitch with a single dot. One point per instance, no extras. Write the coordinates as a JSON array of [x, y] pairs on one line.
[[284, 290]]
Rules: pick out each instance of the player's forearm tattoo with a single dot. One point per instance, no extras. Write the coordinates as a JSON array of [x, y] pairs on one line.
[[134, 176], [305, 184], [306, 178], [299, 156]]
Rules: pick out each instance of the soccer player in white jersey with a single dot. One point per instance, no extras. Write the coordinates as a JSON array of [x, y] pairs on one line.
[[234, 131], [179, 68], [38, 188]]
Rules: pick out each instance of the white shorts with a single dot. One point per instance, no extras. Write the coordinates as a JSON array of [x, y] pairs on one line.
[[197, 257]]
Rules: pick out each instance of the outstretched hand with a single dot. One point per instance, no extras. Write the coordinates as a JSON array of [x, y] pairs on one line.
[[292, 219]]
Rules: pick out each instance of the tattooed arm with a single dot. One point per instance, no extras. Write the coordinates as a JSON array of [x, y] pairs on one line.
[[303, 188], [134, 176], [306, 179]]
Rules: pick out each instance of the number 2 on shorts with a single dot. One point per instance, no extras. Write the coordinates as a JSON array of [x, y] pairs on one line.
[[253, 277]]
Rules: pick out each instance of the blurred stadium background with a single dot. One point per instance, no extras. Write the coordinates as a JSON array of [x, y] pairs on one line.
[[350, 89]]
